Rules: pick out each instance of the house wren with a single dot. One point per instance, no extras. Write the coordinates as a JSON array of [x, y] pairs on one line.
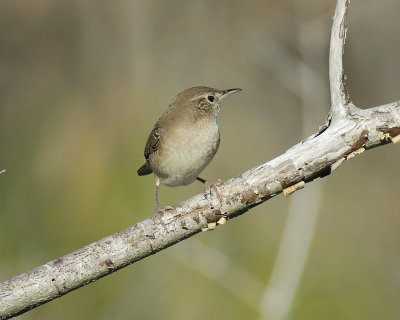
[[185, 138]]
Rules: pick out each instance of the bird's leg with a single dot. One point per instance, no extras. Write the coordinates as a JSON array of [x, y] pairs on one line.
[[157, 211], [157, 204], [201, 180]]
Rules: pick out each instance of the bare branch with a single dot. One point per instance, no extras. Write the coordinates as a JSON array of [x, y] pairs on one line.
[[317, 156], [339, 97]]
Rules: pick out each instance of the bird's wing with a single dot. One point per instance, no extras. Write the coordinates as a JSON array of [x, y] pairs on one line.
[[152, 143]]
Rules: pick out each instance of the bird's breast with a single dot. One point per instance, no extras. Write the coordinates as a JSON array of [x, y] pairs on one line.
[[184, 152]]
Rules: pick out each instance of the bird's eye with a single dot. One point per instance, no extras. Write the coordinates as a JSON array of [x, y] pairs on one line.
[[210, 98]]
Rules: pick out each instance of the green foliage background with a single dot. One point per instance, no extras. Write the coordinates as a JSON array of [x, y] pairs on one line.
[[83, 82]]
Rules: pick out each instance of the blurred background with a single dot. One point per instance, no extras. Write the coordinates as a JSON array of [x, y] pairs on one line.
[[82, 82]]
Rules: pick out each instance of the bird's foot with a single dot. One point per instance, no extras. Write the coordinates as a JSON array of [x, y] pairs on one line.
[[212, 186], [157, 217], [158, 214]]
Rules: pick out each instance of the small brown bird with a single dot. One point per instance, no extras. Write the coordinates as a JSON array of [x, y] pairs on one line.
[[185, 138]]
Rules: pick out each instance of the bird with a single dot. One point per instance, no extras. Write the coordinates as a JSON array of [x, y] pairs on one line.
[[185, 139]]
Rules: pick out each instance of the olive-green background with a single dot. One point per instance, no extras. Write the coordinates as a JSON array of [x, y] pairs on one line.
[[81, 84]]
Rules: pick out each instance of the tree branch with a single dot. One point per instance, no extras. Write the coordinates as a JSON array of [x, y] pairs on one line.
[[339, 96], [350, 132]]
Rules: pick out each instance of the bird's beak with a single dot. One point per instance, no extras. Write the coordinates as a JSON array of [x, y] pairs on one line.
[[227, 92]]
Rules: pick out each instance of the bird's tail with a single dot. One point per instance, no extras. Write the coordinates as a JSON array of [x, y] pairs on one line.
[[144, 169]]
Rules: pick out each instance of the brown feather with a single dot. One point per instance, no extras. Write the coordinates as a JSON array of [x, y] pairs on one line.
[[144, 169], [152, 143]]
